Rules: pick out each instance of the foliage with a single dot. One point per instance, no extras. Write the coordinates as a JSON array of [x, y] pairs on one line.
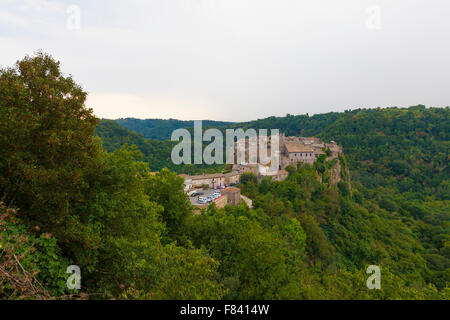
[[30, 267], [248, 177], [167, 189], [135, 236]]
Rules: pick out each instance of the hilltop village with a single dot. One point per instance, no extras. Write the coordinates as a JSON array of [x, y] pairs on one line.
[[293, 150]]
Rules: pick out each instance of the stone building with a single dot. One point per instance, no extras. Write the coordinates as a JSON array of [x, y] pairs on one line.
[[296, 152], [246, 167], [280, 175], [222, 201], [305, 150], [232, 178], [233, 195]]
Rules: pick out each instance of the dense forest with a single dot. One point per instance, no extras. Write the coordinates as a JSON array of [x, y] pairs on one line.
[[73, 197]]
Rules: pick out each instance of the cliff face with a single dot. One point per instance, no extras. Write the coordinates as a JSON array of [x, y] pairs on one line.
[[337, 171]]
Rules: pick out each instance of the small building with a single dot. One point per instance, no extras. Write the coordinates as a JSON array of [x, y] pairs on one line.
[[335, 149], [280, 175], [232, 177], [246, 167], [221, 201], [233, 195]]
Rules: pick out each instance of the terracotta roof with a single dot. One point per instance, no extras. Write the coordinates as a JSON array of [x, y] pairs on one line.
[[208, 176], [232, 189], [294, 147]]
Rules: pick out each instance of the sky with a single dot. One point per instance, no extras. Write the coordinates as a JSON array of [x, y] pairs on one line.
[[238, 60]]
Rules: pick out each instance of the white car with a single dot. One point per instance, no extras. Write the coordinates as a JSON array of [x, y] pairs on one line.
[[210, 198], [202, 200]]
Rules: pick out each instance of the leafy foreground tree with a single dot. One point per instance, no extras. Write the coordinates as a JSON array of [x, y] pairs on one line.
[[98, 206], [47, 144]]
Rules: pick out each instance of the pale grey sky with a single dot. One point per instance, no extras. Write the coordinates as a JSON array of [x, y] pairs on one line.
[[238, 59]]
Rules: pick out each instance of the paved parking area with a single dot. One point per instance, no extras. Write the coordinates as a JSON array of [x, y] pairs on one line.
[[206, 193]]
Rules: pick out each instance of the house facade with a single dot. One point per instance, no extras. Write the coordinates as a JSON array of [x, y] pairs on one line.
[[216, 180], [297, 152]]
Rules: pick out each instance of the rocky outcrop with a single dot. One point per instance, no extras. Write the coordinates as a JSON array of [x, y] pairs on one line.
[[335, 174], [338, 171]]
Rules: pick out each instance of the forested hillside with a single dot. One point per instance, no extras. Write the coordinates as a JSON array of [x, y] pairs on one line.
[[65, 201], [398, 159], [156, 153], [411, 145]]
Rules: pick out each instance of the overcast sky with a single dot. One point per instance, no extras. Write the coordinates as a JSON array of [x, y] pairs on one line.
[[238, 59]]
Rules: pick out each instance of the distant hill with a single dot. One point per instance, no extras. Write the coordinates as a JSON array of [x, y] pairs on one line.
[[162, 129], [155, 152]]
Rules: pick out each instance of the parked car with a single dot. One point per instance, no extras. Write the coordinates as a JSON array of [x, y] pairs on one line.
[[210, 198], [202, 200]]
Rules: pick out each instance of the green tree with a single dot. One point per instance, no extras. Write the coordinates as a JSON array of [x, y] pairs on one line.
[[248, 177], [317, 245], [167, 189], [47, 142]]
